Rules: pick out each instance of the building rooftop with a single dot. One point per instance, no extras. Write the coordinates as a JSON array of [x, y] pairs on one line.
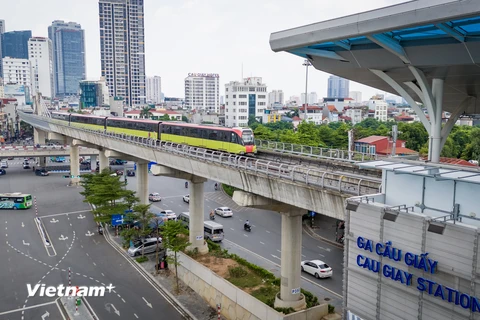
[[371, 139]]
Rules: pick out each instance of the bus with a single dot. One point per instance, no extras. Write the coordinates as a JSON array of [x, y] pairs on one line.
[[15, 201]]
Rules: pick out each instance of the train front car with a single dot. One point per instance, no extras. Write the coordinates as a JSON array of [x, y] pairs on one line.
[[246, 134]]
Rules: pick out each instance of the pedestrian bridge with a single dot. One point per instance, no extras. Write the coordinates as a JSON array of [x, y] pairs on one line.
[[42, 151]]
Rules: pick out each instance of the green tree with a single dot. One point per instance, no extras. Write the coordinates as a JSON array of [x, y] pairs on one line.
[[108, 195], [145, 113], [175, 238], [450, 149], [263, 133], [252, 120], [165, 117], [472, 151], [144, 216], [414, 134], [279, 125], [184, 119], [308, 134]]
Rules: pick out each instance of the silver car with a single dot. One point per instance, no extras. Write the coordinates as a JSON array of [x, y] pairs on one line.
[[148, 246], [224, 212]]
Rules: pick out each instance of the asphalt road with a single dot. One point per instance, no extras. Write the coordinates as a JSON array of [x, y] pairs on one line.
[[77, 246], [265, 238]]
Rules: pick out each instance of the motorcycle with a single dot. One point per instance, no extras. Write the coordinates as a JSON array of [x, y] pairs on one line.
[[100, 230], [216, 186], [247, 227], [186, 185], [212, 217]]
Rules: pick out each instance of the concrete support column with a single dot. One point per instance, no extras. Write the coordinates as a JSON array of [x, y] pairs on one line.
[[39, 137], [142, 182], [93, 163], [42, 162], [196, 209], [436, 121], [103, 160], [74, 165], [291, 257]]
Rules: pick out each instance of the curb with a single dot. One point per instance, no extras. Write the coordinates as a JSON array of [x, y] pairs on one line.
[[308, 230], [152, 278]]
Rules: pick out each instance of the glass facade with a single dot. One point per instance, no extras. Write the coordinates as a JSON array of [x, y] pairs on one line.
[[15, 44], [90, 94], [252, 101], [68, 55]]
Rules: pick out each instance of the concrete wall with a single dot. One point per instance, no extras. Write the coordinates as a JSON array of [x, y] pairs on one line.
[[235, 303], [308, 197]]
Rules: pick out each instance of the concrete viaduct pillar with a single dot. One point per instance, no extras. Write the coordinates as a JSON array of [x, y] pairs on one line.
[[93, 163], [142, 182], [39, 137], [74, 165], [103, 160], [291, 254], [196, 205]]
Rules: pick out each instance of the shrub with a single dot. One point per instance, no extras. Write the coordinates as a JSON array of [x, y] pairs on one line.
[[285, 310], [212, 246], [141, 259], [331, 309], [237, 272], [276, 282], [310, 299], [229, 189]]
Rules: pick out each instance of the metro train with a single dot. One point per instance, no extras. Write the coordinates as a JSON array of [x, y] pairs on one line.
[[231, 140]]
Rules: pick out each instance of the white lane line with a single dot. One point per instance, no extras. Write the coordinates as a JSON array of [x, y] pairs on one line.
[[87, 254], [78, 274], [267, 231], [91, 278], [321, 255], [304, 256], [103, 274], [232, 229], [71, 225], [26, 308], [245, 235], [124, 300], [279, 251], [64, 213], [135, 315], [84, 275], [262, 242], [94, 264]]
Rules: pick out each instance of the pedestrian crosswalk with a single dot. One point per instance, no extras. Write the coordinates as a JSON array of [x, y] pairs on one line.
[[224, 200]]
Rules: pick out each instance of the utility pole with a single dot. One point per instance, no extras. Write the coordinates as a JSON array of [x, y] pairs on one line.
[[395, 134], [307, 64], [350, 143]]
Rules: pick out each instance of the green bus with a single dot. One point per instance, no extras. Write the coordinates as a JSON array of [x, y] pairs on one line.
[[15, 201]]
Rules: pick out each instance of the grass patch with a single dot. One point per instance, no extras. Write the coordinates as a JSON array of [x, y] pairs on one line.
[[141, 259], [266, 294], [229, 189], [248, 281]]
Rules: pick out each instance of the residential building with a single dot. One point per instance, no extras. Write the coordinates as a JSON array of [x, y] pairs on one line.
[[154, 89], [381, 145], [315, 114], [68, 45], [356, 96], [202, 92], [2, 91], [355, 115], [41, 60], [17, 71], [2, 31], [244, 99], [122, 49], [275, 97], [270, 115], [15, 44], [311, 99], [338, 87], [94, 93], [380, 107]]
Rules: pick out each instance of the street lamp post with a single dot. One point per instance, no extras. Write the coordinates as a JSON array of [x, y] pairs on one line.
[[307, 64]]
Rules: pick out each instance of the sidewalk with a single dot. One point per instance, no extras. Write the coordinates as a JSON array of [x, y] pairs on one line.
[[84, 311], [188, 298], [324, 229]]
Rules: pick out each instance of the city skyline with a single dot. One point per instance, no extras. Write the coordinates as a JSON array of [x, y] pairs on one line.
[[192, 36]]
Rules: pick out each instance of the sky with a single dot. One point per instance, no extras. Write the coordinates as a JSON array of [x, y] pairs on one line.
[[204, 36]]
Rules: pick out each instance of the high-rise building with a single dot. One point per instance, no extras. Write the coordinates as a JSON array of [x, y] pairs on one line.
[[16, 71], [312, 98], [41, 59], [15, 44], [275, 97], [122, 49], [68, 43], [244, 99], [338, 87], [202, 92], [356, 96], [2, 31], [154, 89]]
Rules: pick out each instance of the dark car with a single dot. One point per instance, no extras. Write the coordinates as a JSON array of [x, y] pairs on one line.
[[10, 158], [41, 172], [2, 172], [131, 173]]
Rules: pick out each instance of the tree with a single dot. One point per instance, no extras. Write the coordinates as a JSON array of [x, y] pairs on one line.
[[184, 119], [143, 214], [145, 113], [175, 238], [165, 117], [472, 151], [108, 195], [251, 120]]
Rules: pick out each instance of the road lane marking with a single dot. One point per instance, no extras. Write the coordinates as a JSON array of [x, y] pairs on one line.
[[321, 255], [94, 264], [135, 315], [26, 308], [232, 229], [262, 242], [267, 231], [124, 300], [245, 235], [279, 251], [64, 213], [103, 275], [304, 256]]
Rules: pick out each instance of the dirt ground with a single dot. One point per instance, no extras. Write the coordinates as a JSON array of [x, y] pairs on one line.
[[217, 265]]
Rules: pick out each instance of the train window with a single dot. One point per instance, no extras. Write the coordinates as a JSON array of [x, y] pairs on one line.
[[194, 133], [185, 132], [177, 130], [233, 137], [167, 129], [213, 135]]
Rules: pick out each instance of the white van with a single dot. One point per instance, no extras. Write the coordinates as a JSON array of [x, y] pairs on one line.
[[148, 245], [184, 218], [213, 231]]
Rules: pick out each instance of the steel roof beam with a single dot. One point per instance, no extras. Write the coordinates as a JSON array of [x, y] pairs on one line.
[[343, 44], [450, 31], [390, 45], [318, 53], [453, 118]]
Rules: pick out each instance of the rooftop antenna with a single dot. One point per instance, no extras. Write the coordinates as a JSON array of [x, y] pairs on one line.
[[242, 72]]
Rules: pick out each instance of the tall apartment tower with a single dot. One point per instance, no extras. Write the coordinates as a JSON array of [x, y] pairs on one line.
[[275, 97], [68, 41], [244, 99], [2, 31], [122, 49], [338, 87], [202, 92], [17, 71], [40, 54], [154, 89]]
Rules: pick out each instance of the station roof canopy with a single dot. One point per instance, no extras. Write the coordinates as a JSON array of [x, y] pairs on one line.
[[439, 37]]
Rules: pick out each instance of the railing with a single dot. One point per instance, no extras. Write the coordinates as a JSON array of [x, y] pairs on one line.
[[314, 152], [342, 183]]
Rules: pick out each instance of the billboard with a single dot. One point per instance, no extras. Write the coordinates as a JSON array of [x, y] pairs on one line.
[[14, 90]]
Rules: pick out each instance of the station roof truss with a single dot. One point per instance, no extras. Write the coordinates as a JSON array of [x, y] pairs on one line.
[[439, 38]]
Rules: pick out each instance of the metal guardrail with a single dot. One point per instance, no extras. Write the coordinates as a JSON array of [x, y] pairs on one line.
[[314, 152], [343, 183]]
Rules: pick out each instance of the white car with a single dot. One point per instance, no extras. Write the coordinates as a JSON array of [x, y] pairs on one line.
[[4, 164], [186, 198], [317, 268], [169, 214], [224, 211], [154, 197]]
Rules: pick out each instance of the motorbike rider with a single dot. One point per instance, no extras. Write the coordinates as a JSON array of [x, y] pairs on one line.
[[186, 184], [247, 224], [216, 186], [212, 215]]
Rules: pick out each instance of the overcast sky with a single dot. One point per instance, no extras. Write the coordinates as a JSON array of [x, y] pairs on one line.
[[203, 36]]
